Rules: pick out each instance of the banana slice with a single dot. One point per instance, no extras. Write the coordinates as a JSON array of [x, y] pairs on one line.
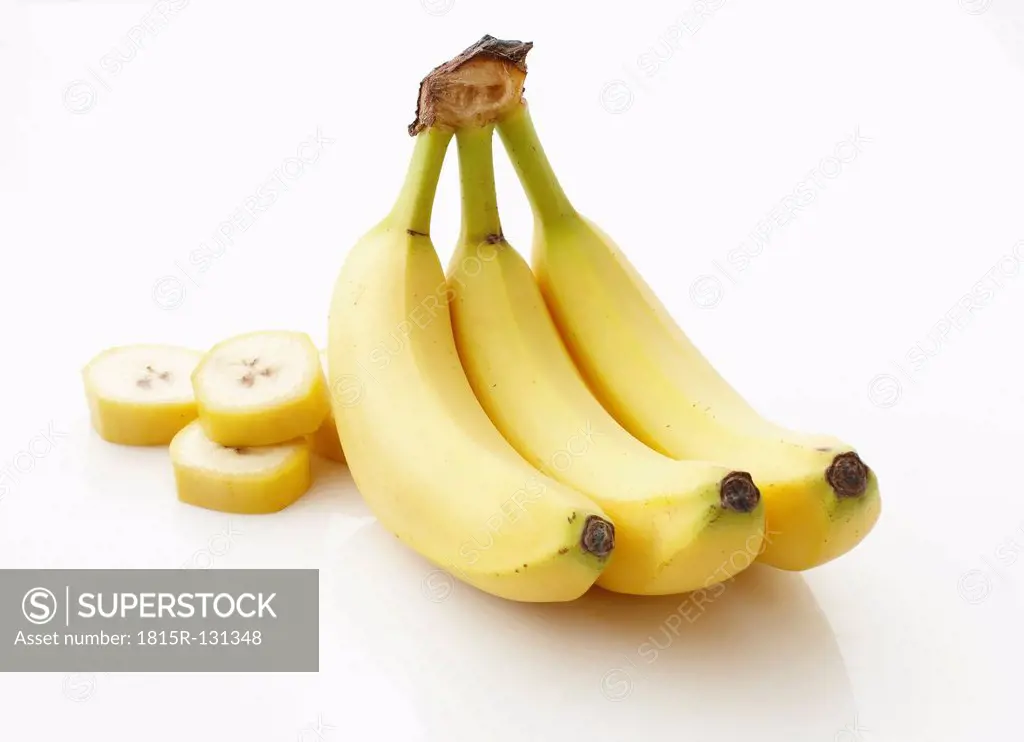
[[326, 442], [238, 480], [140, 395], [261, 389]]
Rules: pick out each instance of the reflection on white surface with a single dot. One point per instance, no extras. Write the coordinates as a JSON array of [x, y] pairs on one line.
[[759, 662]]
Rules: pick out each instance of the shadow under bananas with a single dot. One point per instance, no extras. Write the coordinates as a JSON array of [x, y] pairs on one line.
[[759, 661]]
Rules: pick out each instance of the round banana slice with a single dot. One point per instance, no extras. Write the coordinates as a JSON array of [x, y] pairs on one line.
[[261, 389], [326, 442], [245, 480], [141, 395]]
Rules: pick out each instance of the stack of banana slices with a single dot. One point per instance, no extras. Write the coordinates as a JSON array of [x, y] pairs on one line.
[[240, 420], [534, 431]]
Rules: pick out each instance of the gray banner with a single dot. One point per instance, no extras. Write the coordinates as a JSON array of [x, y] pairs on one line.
[[169, 620]]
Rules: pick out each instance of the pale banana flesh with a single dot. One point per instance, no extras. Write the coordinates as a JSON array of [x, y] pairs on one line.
[[260, 389], [140, 395], [821, 499], [238, 480], [421, 450], [680, 525]]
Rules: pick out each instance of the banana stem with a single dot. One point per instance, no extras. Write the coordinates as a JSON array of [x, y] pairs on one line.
[[546, 196], [415, 204], [480, 221]]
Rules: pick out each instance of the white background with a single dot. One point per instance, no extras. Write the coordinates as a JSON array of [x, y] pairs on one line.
[[842, 323]]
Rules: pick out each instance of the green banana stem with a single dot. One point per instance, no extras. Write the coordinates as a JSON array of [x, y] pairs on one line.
[[546, 196], [480, 221], [415, 204]]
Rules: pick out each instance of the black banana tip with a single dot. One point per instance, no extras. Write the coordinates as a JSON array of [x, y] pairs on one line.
[[598, 536], [848, 475], [738, 492]]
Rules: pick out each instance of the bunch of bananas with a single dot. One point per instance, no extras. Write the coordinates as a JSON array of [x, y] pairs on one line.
[[537, 431], [533, 432]]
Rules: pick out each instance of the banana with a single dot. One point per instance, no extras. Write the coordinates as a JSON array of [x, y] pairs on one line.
[[140, 395], [238, 480], [421, 449], [261, 389], [680, 525], [326, 442], [821, 499]]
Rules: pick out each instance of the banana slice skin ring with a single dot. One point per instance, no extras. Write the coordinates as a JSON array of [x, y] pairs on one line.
[[238, 480], [261, 389], [141, 395]]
